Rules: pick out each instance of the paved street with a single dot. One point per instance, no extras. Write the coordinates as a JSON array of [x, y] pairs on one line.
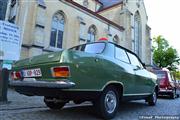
[[21, 107]]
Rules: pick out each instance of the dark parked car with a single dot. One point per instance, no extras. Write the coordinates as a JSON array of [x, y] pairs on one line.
[[101, 72], [167, 84]]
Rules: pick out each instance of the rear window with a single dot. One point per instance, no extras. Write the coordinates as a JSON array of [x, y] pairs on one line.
[[160, 74], [170, 77], [90, 48]]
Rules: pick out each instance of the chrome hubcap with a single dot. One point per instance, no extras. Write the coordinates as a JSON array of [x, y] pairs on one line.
[[110, 102], [174, 94], [154, 97]]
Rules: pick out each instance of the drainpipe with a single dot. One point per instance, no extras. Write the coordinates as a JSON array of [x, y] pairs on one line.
[[24, 23], [8, 10]]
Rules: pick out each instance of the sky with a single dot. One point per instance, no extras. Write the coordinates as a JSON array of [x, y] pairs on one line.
[[164, 19]]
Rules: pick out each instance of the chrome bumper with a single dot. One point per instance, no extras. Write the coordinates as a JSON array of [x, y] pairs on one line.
[[63, 84], [166, 91]]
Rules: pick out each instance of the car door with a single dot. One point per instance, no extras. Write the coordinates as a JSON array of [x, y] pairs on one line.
[[125, 72], [142, 76]]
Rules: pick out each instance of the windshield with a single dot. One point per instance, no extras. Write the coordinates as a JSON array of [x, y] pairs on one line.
[[90, 48]]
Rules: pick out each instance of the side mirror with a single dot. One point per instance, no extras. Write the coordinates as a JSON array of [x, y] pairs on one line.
[[137, 68], [144, 65]]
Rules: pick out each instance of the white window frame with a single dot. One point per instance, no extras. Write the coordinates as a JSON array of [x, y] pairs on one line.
[[58, 25]]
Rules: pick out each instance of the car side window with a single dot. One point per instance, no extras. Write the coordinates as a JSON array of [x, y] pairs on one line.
[[134, 60], [170, 77], [121, 55]]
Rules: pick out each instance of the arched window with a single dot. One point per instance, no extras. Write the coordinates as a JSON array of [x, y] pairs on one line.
[[57, 30], [137, 34], [92, 34], [116, 39]]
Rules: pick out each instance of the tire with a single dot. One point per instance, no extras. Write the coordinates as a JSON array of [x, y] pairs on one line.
[[173, 94], [152, 99], [54, 105], [108, 103]]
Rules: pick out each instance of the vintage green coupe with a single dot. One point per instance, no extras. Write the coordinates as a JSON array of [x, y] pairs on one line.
[[101, 72]]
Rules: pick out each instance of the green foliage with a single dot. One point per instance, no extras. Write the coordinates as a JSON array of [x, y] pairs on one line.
[[165, 55], [178, 75]]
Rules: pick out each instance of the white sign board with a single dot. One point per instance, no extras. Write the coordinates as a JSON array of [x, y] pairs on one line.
[[9, 41]]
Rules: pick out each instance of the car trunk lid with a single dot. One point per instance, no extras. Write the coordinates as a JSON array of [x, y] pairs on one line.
[[41, 59]]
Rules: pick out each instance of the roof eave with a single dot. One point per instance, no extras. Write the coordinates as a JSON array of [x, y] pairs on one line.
[[104, 9], [95, 14]]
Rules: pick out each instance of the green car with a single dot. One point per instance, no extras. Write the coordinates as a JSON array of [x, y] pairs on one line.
[[101, 72]]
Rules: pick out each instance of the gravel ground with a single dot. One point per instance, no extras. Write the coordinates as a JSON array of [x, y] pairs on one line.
[[21, 107]]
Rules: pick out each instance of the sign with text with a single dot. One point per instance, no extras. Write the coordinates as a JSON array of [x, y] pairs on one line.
[[9, 41]]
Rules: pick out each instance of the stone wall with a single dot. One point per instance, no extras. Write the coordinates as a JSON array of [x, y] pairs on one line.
[[34, 20], [123, 15], [35, 24]]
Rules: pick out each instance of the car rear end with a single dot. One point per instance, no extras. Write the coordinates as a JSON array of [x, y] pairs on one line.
[[36, 75], [166, 84]]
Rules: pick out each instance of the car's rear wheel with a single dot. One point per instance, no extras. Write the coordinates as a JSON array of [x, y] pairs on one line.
[[152, 99], [108, 103], [54, 103]]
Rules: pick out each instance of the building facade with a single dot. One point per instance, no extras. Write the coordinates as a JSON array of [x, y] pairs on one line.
[[48, 26]]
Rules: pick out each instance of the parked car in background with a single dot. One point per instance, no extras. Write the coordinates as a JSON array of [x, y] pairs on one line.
[[167, 84], [101, 72]]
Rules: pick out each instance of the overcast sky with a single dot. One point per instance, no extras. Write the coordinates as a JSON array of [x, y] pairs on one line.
[[164, 19]]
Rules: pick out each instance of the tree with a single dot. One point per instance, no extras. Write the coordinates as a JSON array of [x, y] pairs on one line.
[[178, 75], [165, 55]]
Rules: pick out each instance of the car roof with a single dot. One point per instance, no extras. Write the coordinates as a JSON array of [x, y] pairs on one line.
[[105, 41], [115, 45], [165, 69]]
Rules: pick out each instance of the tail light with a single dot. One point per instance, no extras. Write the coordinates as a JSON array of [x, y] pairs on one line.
[[61, 71], [169, 86], [15, 75]]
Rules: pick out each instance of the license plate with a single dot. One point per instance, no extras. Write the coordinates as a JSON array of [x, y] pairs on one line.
[[32, 73]]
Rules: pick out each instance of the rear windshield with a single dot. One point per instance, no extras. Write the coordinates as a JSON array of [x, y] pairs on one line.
[[90, 48], [160, 74]]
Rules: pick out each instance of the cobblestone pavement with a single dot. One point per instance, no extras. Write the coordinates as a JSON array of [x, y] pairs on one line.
[[21, 107]]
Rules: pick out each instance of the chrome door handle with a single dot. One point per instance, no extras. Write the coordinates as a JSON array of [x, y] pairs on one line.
[[96, 60], [137, 68]]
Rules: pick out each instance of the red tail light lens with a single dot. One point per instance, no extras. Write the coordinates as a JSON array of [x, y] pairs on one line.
[[16, 75], [61, 71]]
